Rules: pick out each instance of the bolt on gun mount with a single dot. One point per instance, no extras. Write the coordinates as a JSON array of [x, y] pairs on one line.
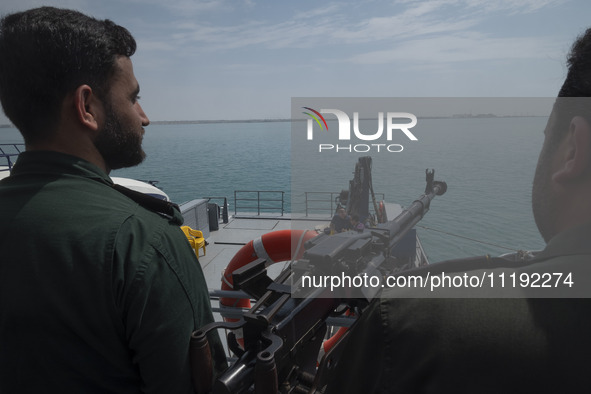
[[284, 330]]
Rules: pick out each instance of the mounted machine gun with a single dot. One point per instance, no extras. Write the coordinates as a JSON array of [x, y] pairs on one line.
[[284, 330]]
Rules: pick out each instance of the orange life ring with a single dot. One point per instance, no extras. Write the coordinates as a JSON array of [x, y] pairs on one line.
[[276, 246]]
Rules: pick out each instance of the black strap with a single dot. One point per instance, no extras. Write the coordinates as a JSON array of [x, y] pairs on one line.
[[151, 203]]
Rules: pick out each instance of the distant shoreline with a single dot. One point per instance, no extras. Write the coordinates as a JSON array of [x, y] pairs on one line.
[[218, 121], [5, 126], [455, 116]]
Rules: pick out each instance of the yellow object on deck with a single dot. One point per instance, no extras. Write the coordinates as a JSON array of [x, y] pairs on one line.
[[195, 238]]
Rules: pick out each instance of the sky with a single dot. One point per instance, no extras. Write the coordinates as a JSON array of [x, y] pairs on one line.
[[214, 60]]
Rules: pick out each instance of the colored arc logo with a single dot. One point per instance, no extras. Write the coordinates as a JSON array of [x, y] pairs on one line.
[[313, 115]]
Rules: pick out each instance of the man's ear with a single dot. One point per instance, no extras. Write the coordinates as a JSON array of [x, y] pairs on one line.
[[88, 107], [575, 157]]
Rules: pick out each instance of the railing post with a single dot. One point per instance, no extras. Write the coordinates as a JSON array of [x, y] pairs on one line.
[[225, 211]]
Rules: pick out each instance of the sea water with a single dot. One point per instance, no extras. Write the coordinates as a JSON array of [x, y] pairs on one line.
[[488, 165]]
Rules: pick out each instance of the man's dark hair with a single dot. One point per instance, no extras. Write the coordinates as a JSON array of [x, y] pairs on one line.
[[578, 79], [574, 97], [46, 53]]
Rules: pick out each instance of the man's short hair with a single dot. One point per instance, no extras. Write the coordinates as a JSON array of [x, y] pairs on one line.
[[46, 53], [578, 79], [574, 97]]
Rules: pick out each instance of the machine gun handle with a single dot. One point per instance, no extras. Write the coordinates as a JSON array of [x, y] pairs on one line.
[[437, 187], [201, 362], [265, 381]]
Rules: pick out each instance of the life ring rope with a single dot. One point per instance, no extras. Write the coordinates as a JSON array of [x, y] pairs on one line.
[[300, 243], [226, 281], [260, 250]]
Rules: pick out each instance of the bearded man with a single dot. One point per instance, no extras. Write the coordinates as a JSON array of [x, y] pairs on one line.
[[97, 293]]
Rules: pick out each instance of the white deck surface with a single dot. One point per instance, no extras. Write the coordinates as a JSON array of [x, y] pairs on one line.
[[227, 241]]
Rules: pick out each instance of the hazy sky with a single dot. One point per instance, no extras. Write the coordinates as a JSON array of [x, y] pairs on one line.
[[200, 59]]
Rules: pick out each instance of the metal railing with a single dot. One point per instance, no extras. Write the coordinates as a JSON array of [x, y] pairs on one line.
[[325, 203], [271, 201]]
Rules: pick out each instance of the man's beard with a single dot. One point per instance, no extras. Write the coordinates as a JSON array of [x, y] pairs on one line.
[[119, 146]]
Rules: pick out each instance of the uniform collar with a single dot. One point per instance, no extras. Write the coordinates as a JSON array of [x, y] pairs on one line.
[[60, 164], [56, 163]]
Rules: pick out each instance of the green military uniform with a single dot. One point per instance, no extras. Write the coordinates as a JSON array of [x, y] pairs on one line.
[[476, 345], [97, 294]]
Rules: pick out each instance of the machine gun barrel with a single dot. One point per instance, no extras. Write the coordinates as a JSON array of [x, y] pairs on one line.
[[411, 215]]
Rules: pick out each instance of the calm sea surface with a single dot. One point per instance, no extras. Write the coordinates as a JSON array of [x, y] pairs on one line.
[[488, 165]]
